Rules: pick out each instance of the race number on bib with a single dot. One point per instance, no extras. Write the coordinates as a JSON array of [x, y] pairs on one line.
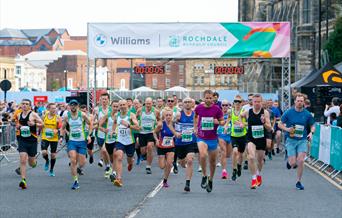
[[187, 135], [167, 141], [25, 131], [123, 131], [238, 129], [76, 133], [49, 133], [258, 131], [299, 131], [147, 125], [207, 123]]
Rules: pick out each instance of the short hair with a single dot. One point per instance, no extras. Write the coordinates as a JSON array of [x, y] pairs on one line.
[[257, 96], [26, 99], [216, 94], [208, 91], [335, 101], [114, 101], [83, 106], [105, 94], [299, 95], [129, 99], [307, 101], [250, 94]]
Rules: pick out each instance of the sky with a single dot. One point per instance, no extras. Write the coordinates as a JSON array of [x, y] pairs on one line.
[[75, 14]]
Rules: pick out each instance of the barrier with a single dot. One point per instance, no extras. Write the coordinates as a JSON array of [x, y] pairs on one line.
[[326, 147], [8, 143]]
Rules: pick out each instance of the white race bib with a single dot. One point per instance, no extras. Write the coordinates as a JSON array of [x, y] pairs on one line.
[[299, 131], [49, 133], [258, 131], [25, 131], [207, 123], [167, 141]]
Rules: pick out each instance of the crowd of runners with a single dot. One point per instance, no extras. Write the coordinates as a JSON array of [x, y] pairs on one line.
[[179, 131]]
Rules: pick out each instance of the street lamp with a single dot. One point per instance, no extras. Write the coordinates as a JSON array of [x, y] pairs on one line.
[[65, 79]]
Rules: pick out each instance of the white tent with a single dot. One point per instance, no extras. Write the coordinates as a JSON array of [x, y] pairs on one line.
[[177, 89], [143, 89]]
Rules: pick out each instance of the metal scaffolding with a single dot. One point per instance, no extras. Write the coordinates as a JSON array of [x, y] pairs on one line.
[[285, 83]]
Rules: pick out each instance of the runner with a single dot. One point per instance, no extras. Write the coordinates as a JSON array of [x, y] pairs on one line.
[[207, 118], [277, 114], [134, 108], [223, 133], [258, 123], [27, 140], [294, 122], [270, 135], [124, 122], [238, 136], [106, 125], [52, 123], [186, 146], [247, 107], [166, 145], [89, 131], [99, 112], [77, 145], [149, 119]]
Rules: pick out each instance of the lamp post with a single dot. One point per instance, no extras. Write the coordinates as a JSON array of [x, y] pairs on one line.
[[66, 79]]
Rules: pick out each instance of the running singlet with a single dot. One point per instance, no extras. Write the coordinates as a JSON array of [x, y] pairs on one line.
[[236, 130], [110, 138], [206, 115], [222, 129], [147, 121], [101, 114], [166, 137], [185, 127], [124, 134], [26, 131], [50, 126], [256, 129], [76, 127]]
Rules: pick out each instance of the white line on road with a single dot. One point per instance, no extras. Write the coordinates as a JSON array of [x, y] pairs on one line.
[[324, 176], [151, 194]]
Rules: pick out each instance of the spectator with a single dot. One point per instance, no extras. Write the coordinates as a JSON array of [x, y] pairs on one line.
[[339, 118], [216, 101], [333, 119], [248, 106], [334, 108]]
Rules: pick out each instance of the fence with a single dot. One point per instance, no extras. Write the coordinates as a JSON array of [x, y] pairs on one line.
[[8, 142], [327, 147]]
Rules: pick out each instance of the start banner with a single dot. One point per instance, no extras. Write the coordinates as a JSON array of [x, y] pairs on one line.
[[189, 40]]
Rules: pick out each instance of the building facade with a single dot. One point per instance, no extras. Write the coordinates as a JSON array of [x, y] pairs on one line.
[[28, 75], [7, 71]]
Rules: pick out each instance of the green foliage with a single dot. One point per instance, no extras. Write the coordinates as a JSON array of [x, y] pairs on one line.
[[334, 43]]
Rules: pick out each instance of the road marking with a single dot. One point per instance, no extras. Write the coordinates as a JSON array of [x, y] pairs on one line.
[[151, 194], [324, 176]]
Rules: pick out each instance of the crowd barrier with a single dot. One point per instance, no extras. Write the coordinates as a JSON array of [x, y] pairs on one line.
[[326, 147], [8, 143]]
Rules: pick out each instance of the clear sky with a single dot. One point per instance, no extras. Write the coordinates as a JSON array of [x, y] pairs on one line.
[[74, 14]]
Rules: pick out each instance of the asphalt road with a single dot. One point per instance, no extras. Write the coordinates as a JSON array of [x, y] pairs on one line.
[[141, 197]]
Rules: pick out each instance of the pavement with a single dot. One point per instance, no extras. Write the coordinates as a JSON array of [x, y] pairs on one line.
[[142, 196]]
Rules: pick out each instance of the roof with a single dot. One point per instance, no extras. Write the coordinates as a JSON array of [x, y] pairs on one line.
[[15, 42], [12, 33]]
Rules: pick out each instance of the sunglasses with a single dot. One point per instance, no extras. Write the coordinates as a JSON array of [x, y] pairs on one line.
[[170, 100], [237, 101], [224, 105], [250, 99], [25, 103], [187, 102]]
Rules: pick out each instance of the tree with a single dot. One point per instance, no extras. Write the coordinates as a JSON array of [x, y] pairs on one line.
[[334, 43], [54, 85]]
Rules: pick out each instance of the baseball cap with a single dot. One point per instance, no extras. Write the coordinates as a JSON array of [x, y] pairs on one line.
[[73, 101]]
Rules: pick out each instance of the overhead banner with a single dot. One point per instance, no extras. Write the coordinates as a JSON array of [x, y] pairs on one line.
[[189, 40]]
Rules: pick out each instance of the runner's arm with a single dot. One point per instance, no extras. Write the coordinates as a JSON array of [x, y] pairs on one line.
[[267, 123], [159, 122], [134, 120], [101, 122]]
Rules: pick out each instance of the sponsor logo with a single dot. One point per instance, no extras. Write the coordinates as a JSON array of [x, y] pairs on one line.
[[174, 41], [123, 40], [100, 40], [332, 75], [198, 41]]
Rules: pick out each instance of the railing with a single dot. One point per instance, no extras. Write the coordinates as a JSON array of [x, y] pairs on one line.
[[8, 143]]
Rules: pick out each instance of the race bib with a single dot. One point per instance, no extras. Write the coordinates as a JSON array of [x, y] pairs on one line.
[[49, 133], [229, 129], [76, 133], [220, 130], [111, 137], [25, 131], [299, 131], [258, 131], [147, 125], [187, 135], [207, 123], [123, 131], [167, 141], [238, 129]]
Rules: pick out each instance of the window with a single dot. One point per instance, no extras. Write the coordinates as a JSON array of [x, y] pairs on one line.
[[43, 48], [211, 66], [212, 80], [69, 83], [167, 68], [122, 84], [181, 82], [181, 69], [305, 43], [228, 80], [18, 70], [154, 82], [167, 83], [223, 79], [306, 11], [195, 81], [202, 80]]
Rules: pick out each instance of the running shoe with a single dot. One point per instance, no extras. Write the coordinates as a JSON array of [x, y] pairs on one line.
[[299, 186], [224, 174], [254, 184], [100, 163], [199, 169], [273, 152], [165, 185], [118, 183], [238, 170], [112, 177], [23, 184], [288, 166], [209, 186], [75, 185], [270, 155], [91, 159], [278, 150], [234, 175], [259, 180], [245, 166], [204, 182], [138, 161], [148, 170], [17, 171], [51, 173], [46, 166], [175, 168], [187, 187], [218, 164], [107, 173], [80, 171], [129, 167]]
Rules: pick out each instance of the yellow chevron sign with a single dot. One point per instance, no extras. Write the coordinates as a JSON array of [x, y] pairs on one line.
[[335, 76]]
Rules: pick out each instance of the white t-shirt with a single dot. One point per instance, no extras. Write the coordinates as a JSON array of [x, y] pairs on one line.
[[334, 109], [246, 107]]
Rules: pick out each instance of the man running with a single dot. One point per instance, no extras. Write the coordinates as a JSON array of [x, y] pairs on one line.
[[100, 112], [149, 119], [52, 122], [207, 118], [238, 136], [124, 122], [186, 145], [27, 140], [258, 123], [77, 145], [294, 122], [89, 131], [223, 133]]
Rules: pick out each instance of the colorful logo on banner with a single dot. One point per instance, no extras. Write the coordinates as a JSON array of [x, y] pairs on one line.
[[332, 75], [100, 40]]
